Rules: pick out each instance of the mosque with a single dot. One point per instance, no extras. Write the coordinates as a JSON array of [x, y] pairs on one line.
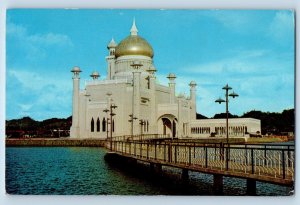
[[130, 101]]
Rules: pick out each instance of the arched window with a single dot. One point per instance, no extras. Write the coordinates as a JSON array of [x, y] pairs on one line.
[[103, 125], [113, 125], [92, 125], [98, 125]]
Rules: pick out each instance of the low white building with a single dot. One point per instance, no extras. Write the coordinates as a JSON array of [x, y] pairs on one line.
[[139, 104]]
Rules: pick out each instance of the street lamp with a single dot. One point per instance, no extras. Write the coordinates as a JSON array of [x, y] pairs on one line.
[[220, 100], [132, 118], [106, 111], [112, 106], [142, 123]]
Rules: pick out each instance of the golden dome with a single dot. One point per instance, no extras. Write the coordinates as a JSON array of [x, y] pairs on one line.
[[134, 45]]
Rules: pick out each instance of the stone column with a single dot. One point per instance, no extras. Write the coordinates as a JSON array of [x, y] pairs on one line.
[[218, 184], [136, 100], [111, 59], [193, 99], [152, 121], [74, 132], [172, 84]]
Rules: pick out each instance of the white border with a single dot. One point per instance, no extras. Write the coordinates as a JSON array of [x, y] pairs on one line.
[[155, 4]]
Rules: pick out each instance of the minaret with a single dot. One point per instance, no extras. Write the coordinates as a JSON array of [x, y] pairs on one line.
[[111, 59], [152, 119], [172, 84], [193, 99], [136, 99], [74, 132]]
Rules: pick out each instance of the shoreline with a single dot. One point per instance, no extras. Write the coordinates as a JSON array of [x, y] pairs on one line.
[[91, 142], [54, 142]]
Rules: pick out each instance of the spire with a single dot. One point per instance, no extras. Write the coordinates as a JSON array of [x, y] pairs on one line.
[[112, 44], [133, 30]]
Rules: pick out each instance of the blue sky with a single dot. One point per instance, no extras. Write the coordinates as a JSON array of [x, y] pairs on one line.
[[252, 50]]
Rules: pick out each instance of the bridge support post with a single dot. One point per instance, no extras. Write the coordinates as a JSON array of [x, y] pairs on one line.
[[158, 168], [251, 187], [218, 184], [155, 168], [185, 174], [151, 167]]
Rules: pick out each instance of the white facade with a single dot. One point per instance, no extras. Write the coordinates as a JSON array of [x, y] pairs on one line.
[[131, 86]]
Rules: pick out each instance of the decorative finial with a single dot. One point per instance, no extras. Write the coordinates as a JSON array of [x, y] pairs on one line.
[[112, 44], [133, 30]]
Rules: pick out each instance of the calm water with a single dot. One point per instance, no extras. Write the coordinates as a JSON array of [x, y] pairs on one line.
[[82, 170]]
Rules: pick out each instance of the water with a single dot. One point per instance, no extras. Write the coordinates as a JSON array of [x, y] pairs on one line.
[[83, 170]]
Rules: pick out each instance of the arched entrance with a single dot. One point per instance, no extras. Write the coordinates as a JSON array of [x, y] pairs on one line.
[[167, 125]]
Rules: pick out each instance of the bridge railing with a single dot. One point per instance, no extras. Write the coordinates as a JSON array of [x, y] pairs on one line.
[[140, 137], [269, 162]]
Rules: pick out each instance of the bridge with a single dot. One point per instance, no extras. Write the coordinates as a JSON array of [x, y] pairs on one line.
[[266, 163]]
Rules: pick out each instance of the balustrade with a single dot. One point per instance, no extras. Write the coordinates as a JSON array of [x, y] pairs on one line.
[[269, 161]]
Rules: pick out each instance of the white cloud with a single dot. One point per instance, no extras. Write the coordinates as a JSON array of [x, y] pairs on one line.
[[258, 76], [282, 26], [35, 46], [50, 39], [41, 96], [17, 30], [232, 19], [35, 81]]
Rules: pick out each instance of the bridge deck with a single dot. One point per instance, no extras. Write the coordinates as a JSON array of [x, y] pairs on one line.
[[268, 164]]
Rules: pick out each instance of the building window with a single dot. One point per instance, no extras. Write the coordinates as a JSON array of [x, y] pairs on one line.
[[103, 125], [98, 125], [92, 125]]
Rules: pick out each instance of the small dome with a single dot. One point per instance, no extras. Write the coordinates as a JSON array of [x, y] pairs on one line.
[[134, 45], [95, 75], [112, 44], [193, 83], [171, 76], [152, 69], [76, 69]]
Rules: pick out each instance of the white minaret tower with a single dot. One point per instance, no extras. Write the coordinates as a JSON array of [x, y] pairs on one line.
[[193, 99], [152, 123], [172, 84], [74, 131], [136, 100], [111, 62]]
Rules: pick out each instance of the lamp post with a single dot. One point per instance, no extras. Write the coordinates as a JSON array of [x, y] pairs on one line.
[[106, 111], [111, 116], [132, 118], [142, 123], [220, 100]]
